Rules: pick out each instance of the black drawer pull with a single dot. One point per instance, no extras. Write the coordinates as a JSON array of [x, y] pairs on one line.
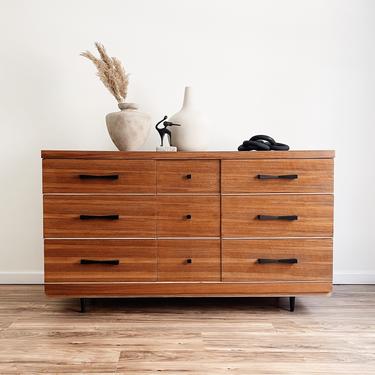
[[284, 261], [188, 176], [269, 217], [99, 217], [188, 217], [101, 177], [113, 262], [280, 177], [189, 261]]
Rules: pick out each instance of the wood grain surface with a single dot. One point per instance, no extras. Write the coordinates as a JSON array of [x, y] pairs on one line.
[[152, 197], [313, 176], [174, 256], [172, 214], [116, 155], [314, 257], [134, 176], [315, 216], [187, 289], [188, 176], [62, 216], [137, 260], [217, 336]]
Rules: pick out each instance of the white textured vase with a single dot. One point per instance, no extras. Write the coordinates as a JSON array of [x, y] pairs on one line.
[[128, 128], [190, 135]]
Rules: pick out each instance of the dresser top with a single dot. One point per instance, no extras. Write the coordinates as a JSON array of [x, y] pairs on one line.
[[116, 155]]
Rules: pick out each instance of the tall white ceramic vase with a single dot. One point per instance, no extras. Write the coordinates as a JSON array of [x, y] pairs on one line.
[[128, 128], [190, 135]]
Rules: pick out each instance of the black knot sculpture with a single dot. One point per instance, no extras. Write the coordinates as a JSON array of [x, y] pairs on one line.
[[262, 143]]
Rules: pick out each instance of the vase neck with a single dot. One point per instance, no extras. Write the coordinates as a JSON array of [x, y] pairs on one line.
[[188, 99], [127, 106]]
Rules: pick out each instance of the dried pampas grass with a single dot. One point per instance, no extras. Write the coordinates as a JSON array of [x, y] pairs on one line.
[[111, 72]]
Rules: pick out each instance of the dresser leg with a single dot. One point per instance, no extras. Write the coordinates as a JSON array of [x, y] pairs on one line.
[[83, 302], [292, 302], [277, 301]]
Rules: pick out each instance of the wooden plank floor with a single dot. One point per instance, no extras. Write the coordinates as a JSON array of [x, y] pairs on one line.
[[188, 336]]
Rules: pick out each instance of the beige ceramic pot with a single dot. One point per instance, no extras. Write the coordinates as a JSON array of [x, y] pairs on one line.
[[128, 128]]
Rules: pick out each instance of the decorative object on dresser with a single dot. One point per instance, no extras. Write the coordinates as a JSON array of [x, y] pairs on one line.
[[163, 132], [187, 223], [128, 128], [189, 136], [262, 143]]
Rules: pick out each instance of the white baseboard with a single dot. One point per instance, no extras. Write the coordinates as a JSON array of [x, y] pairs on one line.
[[37, 278], [354, 278], [21, 277]]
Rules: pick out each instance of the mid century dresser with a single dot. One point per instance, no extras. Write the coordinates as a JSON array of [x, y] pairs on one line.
[[187, 223]]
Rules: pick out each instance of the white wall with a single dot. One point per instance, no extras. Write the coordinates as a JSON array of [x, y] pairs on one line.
[[302, 71]]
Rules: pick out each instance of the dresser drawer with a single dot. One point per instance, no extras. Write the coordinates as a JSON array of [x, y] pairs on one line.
[[99, 260], [99, 176], [277, 260], [277, 176], [188, 216], [99, 216], [189, 260], [188, 176], [277, 216]]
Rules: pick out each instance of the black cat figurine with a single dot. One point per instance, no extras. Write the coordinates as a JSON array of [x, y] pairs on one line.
[[165, 130]]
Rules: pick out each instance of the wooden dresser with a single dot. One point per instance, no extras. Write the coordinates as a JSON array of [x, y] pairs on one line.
[[187, 223]]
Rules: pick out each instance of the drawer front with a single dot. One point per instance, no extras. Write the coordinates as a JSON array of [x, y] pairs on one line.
[[188, 176], [277, 176], [99, 176], [188, 216], [99, 216], [267, 216], [99, 260], [277, 260], [189, 260]]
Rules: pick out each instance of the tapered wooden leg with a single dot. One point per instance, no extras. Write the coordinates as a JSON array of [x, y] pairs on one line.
[[292, 303], [83, 304]]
